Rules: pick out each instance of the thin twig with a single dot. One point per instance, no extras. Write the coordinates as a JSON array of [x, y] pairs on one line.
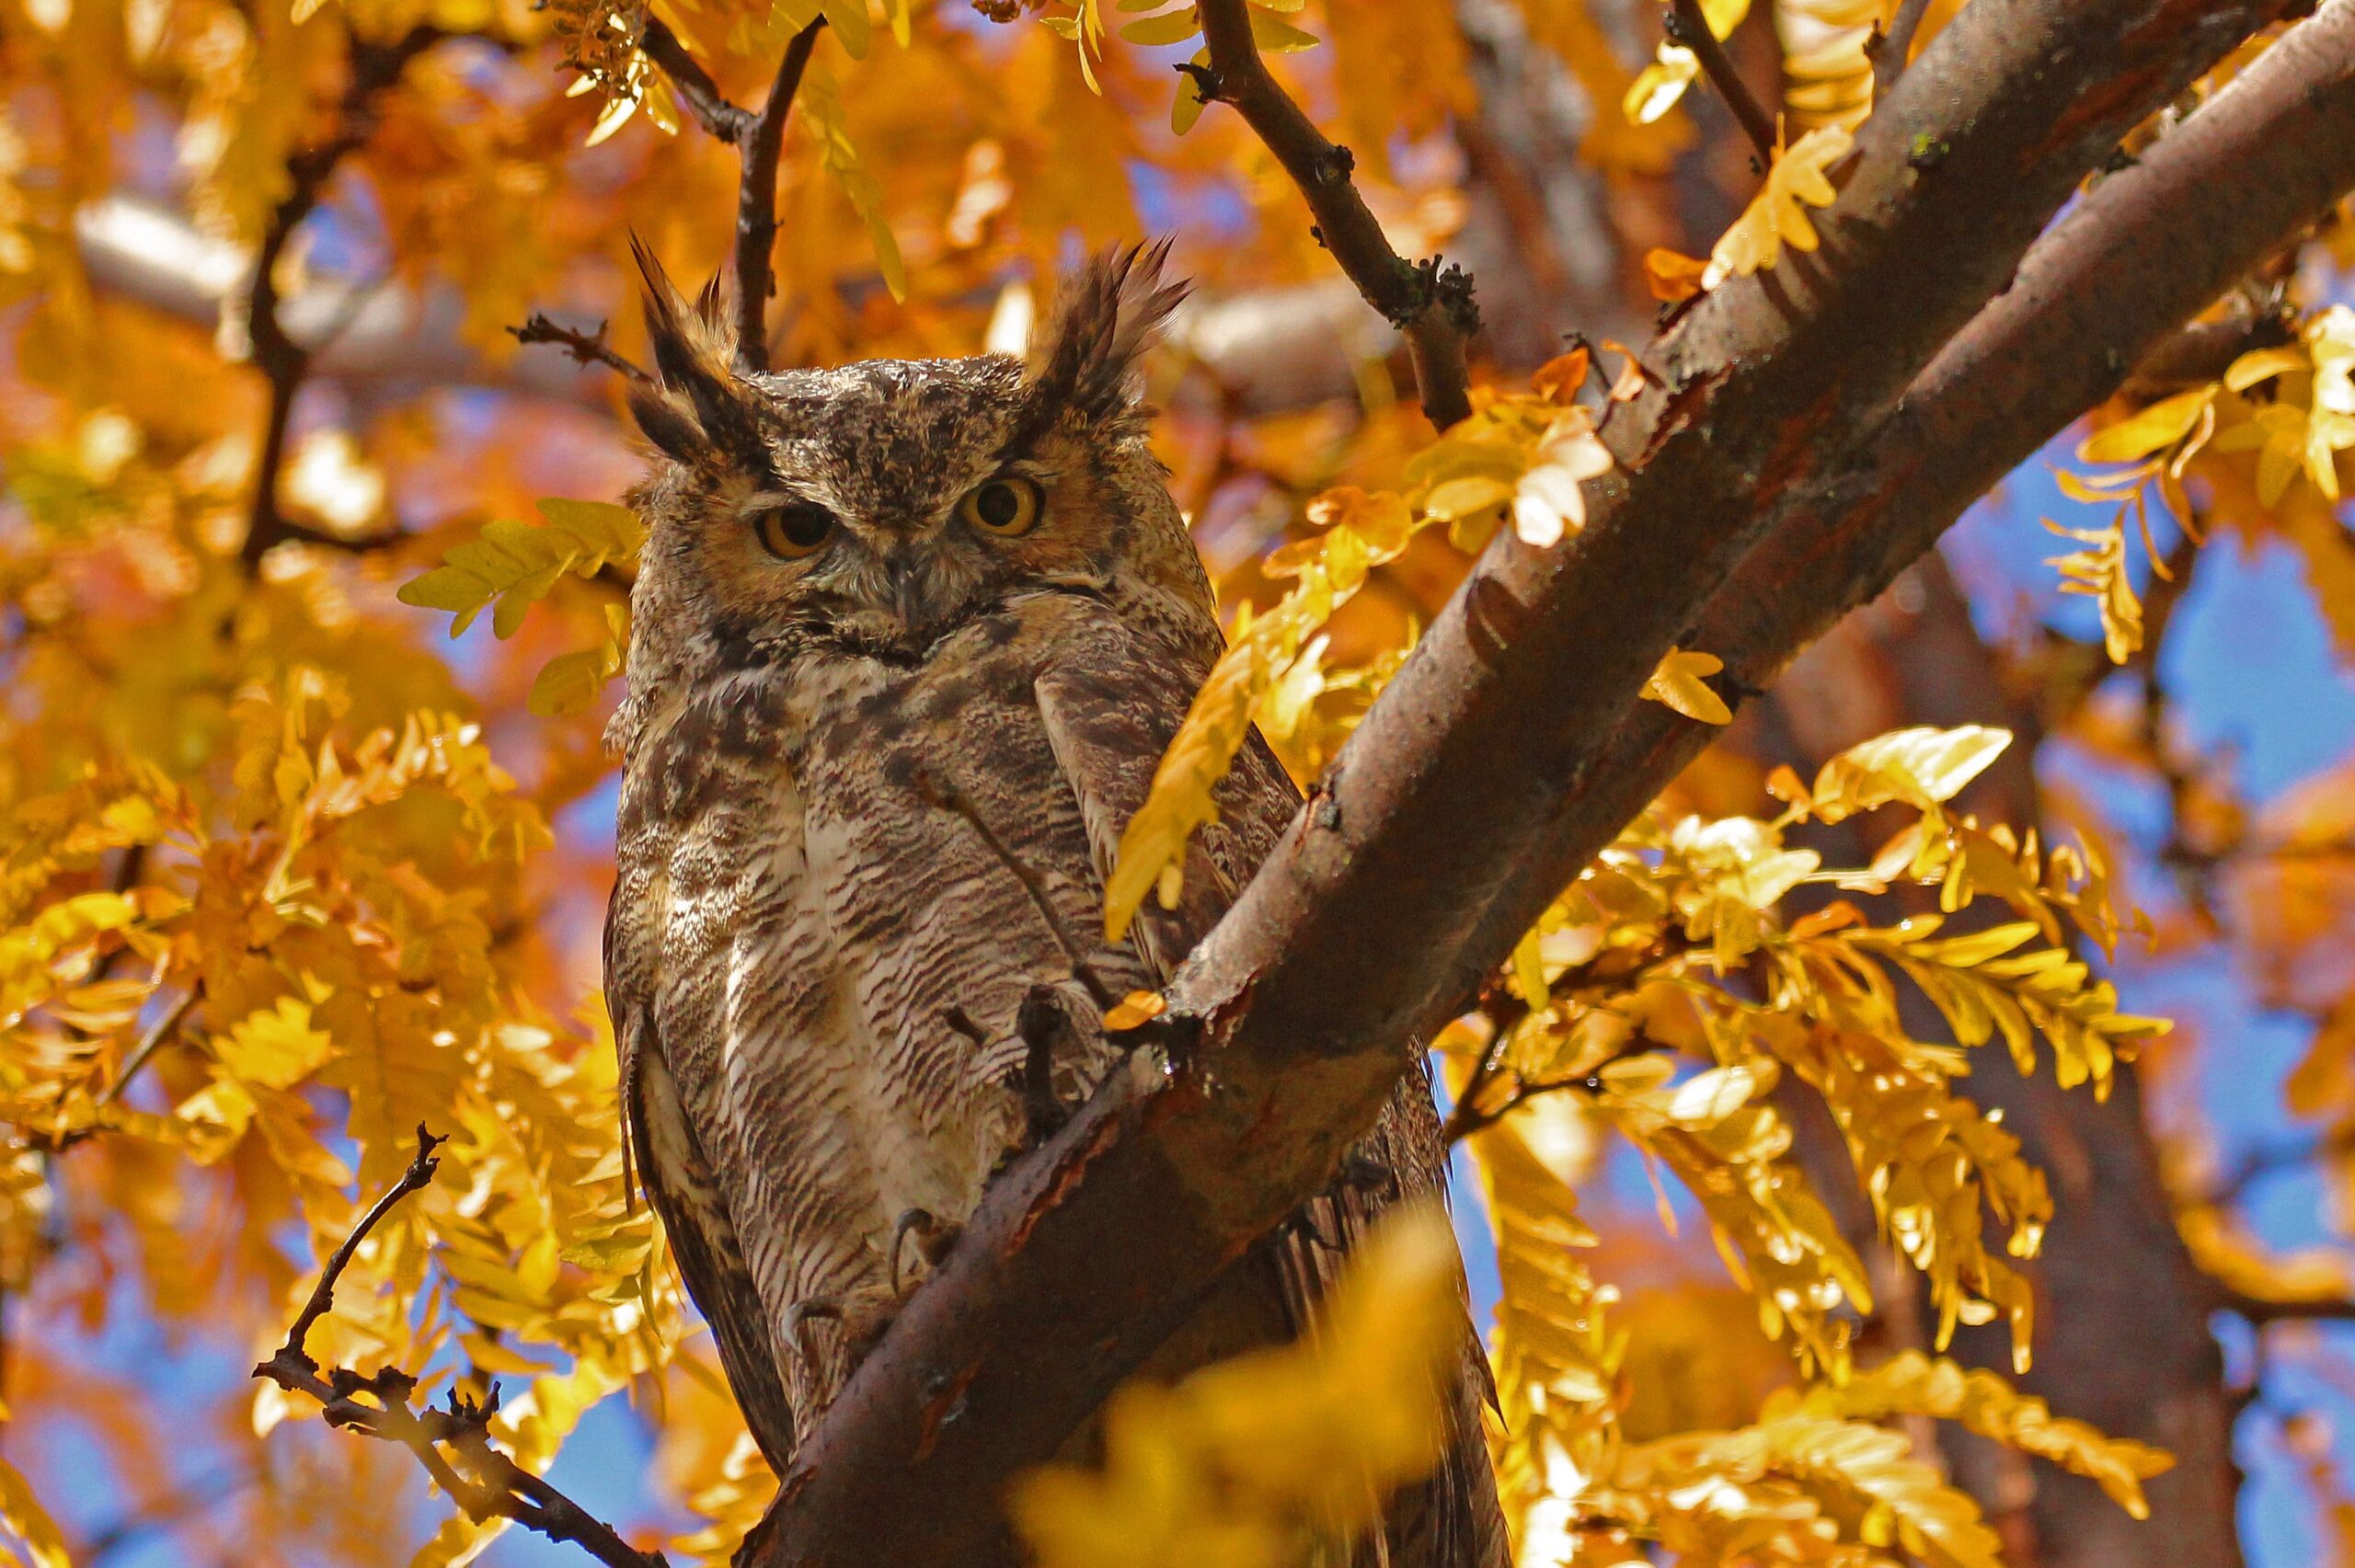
[[586, 347], [756, 204], [724, 121], [1888, 51], [282, 361], [484, 1482], [1686, 25], [149, 1043], [419, 1176], [1430, 305], [1505, 1011], [2260, 1312]]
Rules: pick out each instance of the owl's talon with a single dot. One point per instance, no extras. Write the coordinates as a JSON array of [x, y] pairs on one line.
[[934, 1238], [797, 1321], [860, 1315]]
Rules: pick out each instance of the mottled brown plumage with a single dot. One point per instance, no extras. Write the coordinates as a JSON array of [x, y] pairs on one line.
[[880, 741]]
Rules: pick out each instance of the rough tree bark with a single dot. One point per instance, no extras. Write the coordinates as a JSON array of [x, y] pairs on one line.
[[1513, 745]]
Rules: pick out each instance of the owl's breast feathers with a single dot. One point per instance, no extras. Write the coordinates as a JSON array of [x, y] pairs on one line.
[[838, 880]]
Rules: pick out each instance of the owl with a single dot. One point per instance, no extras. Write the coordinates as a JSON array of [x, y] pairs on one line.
[[908, 640]]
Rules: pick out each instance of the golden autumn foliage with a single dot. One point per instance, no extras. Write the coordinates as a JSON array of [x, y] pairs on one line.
[[1245, 1463], [297, 859]]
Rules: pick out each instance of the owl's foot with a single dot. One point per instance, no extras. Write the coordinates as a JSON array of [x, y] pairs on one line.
[[934, 1238], [861, 1315], [1042, 1025]]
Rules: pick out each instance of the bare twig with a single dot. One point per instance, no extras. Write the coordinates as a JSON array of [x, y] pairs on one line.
[[1688, 27], [586, 347], [724, 121], [1431, 304], [2260, 1312], [149, 1043], [282, 361], [756, 204], [1504, 1012], [758, 138], [1887, 51], [484, 1482], [419, 1176]]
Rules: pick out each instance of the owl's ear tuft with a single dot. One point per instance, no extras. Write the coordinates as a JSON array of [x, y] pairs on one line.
[[697, 409], [1105, 316]]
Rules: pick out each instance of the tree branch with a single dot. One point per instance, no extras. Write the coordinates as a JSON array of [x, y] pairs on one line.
[[726, 121], [484, 1482], [1486, 773], [1888, 51], [586, 347], [2309, 1309], [1688, 28], [282, 361], [1431, 305], [756, 204], [758, 139], [2146, 250]]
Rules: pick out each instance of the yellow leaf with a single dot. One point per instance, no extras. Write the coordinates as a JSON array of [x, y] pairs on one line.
[[1777, 216], [276, 1049], [29, 1522], [1170, 26], [1671, 276], [1276, 36], [1680, 683], [1135, 1010], [2100, 572], [819, 107], [849, 21], [1920, 767], [512, 564], [572, 682], [1655, 91], [1548, 504], [2153, 429], [1247, 1459]]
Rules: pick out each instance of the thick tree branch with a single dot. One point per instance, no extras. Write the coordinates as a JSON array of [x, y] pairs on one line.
[[1431, 305], [482, 1480], [282, 361], [1688, 28], [1442, 830], [2148, 249]]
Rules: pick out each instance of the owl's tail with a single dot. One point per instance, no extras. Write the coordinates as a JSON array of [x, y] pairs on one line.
[[1452, 1520]]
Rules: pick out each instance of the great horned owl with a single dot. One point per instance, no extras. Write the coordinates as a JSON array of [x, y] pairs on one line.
[[909, 639]]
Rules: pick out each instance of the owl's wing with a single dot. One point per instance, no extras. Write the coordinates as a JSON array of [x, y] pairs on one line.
[[679, 1181], [1111, 703]]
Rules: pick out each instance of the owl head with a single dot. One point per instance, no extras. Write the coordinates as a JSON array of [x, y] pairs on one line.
[[871, 510]]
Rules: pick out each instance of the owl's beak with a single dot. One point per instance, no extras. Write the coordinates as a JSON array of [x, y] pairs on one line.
[[907, 588]]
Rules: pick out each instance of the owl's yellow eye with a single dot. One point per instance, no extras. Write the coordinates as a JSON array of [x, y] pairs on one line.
[[790, 532], [1007, 506]]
